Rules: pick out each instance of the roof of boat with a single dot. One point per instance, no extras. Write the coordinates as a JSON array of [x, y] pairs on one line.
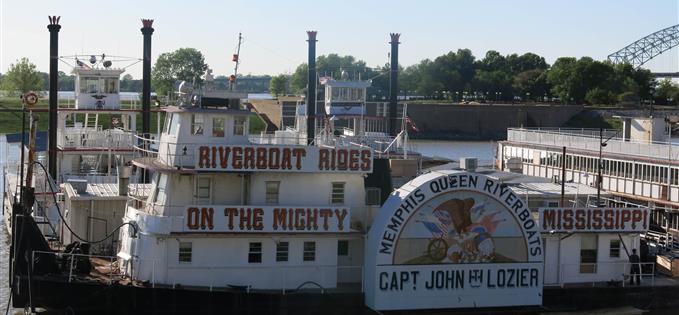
[[210, 110]]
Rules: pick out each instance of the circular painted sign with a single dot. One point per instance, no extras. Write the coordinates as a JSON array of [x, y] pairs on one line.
[[453, 239]]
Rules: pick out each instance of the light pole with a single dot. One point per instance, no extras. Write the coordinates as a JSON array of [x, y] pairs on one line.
[[602, 144]]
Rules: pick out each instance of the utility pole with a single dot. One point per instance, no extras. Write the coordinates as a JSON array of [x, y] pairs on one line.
[[598, 180]]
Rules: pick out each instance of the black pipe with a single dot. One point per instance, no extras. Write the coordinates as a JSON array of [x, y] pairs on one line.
[[147, 30], [311, 90], [54, 28], [393, 84]]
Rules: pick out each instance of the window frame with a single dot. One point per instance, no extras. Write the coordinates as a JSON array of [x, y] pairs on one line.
[[215, 127], [197, 128], [183, 252], [198, 189], [342, 250], [255, 253], [612, 250], [282, 251], [309, 251], [239, 123], [336, 194], [268, 195], [588, 266]]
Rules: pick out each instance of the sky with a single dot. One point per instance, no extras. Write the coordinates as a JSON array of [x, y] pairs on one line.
[[275, 39]]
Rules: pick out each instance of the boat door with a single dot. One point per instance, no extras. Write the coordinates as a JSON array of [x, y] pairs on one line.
[[552, 248]]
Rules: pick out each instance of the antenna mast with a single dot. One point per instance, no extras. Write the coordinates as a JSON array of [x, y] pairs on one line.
[[236, 59]]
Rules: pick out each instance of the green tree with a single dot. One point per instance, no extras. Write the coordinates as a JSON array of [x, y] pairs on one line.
[[22, 76], [299, 79], [183, 64], [278, 85]]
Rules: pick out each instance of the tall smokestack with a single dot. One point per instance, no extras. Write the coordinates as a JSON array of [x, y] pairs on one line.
[[147, 30], [311, 90], [54, 28], [393, 84]]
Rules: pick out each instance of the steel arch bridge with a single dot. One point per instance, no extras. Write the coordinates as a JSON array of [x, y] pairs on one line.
[[648, 47]]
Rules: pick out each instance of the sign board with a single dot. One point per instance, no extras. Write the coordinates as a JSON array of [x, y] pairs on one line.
[[284, 159], [594, 219], [452, 239], [266, 219]]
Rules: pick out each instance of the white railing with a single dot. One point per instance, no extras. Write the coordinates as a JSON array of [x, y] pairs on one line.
[[604, 272], [585, 140], [92, 178], [94, 138]]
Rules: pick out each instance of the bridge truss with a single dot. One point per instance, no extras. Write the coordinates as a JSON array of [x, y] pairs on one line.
[[648, 47]]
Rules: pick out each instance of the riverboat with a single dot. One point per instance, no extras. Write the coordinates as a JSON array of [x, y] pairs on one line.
[[307, 221], [638, 165]]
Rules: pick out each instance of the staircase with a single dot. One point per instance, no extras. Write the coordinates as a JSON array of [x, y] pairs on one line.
[[42, 220]]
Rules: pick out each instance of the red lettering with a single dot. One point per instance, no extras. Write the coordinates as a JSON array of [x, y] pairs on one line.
[[230, 212], [286, 163], [340, 218], [192, 218], [625, 216], [206, 218], [596, 219], [261, 158], [204, 157], [353, 160], [245, 219], [298, 153], [366, 160], [312, 219], [567, 219], [580, 219], [237, 162], [636, 218], [325, 214], [323, 159], [279, 218], [342, 160], [249, 158], [548, 218], [609, 219], [224, 156], [274, 158], [257, 219]]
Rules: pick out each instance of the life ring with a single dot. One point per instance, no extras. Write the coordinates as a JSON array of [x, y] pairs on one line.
[[30, 98]]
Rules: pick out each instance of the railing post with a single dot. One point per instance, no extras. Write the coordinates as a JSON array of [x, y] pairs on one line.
[[70, 272], [110, 272]]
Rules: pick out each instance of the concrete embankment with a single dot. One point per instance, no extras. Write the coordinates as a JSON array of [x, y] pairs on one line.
[[484, 122]]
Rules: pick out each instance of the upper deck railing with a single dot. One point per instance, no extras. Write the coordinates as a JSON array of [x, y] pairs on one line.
[[588, 139], [92, 138]]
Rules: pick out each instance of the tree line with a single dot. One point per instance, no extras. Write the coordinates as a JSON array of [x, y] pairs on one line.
[[459, 75], [454, 76]]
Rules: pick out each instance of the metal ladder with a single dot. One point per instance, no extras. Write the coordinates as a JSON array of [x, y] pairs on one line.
[[91, 120], [41, 218]]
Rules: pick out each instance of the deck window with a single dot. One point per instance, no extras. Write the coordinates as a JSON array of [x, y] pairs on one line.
[[255, 254], [272, 192], [239, 126], [218, 127], [282, 251], [203, 189], [309, 251], [588, 253], [196, 124], [342, 248], [337, 195], [614, 250], [185, 252]]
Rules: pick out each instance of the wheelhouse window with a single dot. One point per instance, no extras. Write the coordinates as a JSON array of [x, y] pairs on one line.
[[185, 252], [174, 124], [309, 251], [110, 85], [218, 127], [196, 124], [255, 254], [337, 195], [272, 192], [282, 251], [239, 126], [588, 253], [89, 85]]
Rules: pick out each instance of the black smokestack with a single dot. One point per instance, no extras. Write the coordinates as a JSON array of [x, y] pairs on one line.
[[147, 30], [311, 91], [54, 28], [393, 84]]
